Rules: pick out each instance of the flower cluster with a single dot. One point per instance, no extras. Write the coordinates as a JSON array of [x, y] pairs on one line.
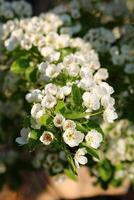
[[53, 161], [70, 14], [15, 9], [100, 38], [72, 89], [121, 137], [117, 155], [28, 32]]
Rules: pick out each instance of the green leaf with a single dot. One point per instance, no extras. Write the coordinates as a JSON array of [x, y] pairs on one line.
[[33, 139], [76, 96], [60, 107], [71, 162], [34, 135], [74, 115], [31, 74], [20, 65], [70, 174], [81, 127], [105, 170], [45, 120], [91, 151], [32, 144]]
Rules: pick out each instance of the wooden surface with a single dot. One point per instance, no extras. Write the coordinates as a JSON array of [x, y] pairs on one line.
[[49, 190]]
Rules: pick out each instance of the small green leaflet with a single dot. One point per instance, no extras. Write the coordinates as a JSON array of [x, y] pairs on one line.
[[20, 65], [60, 107], [76, 96], [70, 174], [45, 120], [74, 115]]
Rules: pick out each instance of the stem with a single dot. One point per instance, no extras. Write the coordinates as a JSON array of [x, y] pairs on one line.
[[97, 113]]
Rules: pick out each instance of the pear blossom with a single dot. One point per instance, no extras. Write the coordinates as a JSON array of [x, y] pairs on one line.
[[60, 93], [59, 120], [36, 109], [72, 137], [51, 89], [91, 100], [34, 96], [49, 101], [52, 71], [11, 43], [47, 137], [69, 124], [80, 157], [66, 90], [110, 115], [101, 74], [73, 69], [23, 139], [107, 101], [94, 138], [42, 67]]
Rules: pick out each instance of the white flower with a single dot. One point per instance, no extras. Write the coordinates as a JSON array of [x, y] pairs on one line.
[[47, 137], [23, 139], [109, 115], [47, 51], [51, 89], [94, 138], [80, 157], [101, 74], [54, 56], [60, 93], [108, 88], [91, 100], [66, 90], [86, 83], [63, 92], [50, 54], [49, 101], [107, 101], [35, 110], [59, 120], [100, 91], [72, 137], [26, 44], [86, 72], [34, 96], [52, 71], [11, 43], [73, 69], [69, 124], [42, 67]]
